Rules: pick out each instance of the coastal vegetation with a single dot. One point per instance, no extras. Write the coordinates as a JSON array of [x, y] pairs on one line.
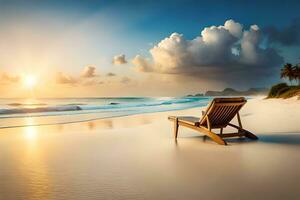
[[283, 90]]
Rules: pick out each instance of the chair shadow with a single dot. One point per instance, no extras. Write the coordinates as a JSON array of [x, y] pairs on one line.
[[206, 139], [281, 138], [233, 140], [278, 138]]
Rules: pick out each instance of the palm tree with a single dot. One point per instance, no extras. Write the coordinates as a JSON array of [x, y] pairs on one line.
[[288, 72], [297, 73]]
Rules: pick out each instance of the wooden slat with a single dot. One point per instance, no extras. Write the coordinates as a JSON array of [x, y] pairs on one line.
[[230, 99], [205, 131], [210, 107], [236, 111], [226, 114], [187, 119], [214, 116], [229, 115], [231, 103], [222, 115], [208, 123]]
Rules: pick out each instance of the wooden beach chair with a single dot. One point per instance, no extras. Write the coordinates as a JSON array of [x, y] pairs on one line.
[[218, 115]]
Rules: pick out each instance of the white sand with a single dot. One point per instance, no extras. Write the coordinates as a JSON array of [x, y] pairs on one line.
[[136, 157]]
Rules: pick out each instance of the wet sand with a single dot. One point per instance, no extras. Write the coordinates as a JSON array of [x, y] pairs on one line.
[[136, 157]]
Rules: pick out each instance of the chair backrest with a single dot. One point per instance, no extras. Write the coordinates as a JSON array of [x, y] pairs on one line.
[[221, 111]]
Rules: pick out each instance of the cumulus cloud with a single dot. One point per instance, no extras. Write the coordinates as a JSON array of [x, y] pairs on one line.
[[288, 36], [119, 59], [65, 79], [87, 77], [7, 78], [222, 52], [88, 72], [142, 64]]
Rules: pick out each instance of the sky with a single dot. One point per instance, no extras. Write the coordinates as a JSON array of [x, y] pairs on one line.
[[143, 48]]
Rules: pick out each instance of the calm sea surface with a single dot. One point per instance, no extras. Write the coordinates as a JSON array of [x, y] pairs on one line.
[[26, 112]]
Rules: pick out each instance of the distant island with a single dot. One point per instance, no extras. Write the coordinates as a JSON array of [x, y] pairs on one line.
[[233, 92], [196, 95]]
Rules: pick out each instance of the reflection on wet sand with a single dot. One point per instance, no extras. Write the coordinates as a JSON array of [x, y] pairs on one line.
[[60, 127], [91, 125], [33, 168], [103, 124], [116, 123], [136, 157]]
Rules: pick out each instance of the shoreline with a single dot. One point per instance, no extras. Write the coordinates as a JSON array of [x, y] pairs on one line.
[[185, 111], [136, 157], [93, 119]]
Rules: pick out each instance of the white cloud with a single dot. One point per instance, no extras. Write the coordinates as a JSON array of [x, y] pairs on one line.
[[222, 52], [141, 64], [88, 72], [234, 28], [65, 79], [119, 59]]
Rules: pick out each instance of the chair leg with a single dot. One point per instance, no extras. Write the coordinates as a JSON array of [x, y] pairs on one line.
[[176, 126], [200, 129], [248, 134], [212, 135], [204, 138]]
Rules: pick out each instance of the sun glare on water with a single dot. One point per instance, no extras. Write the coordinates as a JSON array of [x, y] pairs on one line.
[[30, 81]]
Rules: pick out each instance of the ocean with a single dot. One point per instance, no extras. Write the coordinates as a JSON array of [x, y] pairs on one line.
[[36, 112]]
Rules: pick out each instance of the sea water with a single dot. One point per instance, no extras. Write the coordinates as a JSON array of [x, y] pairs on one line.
[[33, 112]]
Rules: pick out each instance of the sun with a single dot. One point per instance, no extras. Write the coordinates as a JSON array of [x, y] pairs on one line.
[[29, 81]]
